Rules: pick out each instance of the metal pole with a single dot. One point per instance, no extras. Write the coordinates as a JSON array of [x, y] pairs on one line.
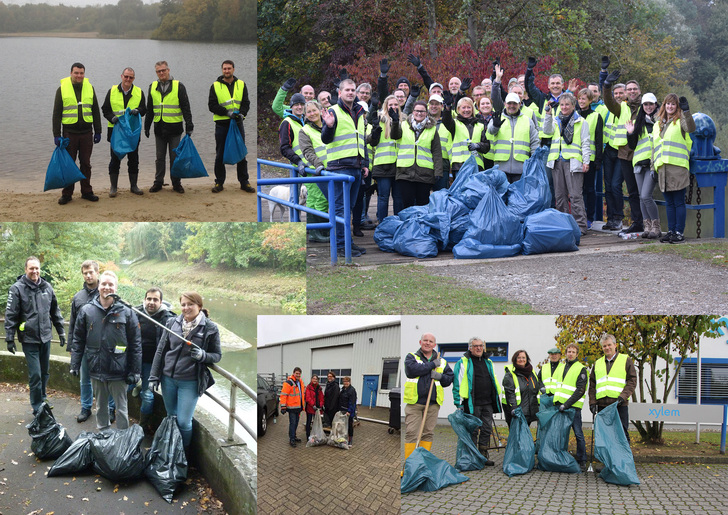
[[231, 423], [260, 206], [700, 372], [722, 429], [371, 400], [332, 220]]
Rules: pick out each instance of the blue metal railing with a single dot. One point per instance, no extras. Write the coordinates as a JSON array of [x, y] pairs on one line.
[[330, 179]]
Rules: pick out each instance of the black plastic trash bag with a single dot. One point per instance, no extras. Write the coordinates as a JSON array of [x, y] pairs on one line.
[[550, 231], [467, 456], [125, 134], [413, 238], [235, 149], [530, 194], [76, 458], [117, 453], [187, 164], [612, 448], [520, 456], [384, 233], [553, 438], [318, 437], [49, 438], [424, 471], [62, 170], [166, 463]]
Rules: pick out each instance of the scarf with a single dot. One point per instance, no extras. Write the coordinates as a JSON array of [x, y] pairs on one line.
[[526, 371], [187, 327], [567, 127], [419, 127]]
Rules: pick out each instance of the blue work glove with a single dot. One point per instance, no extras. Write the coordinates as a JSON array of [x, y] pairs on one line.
[[97, 137], [198, 354], [57, 141]]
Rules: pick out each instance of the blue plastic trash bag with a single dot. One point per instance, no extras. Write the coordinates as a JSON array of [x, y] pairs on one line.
[[612, 448], [62, 170], [439, 224], [438, 201], [553, 438], [125, 134], [459, 221], [424, 471], [520, 456], [473, 190], [467, 456], [188, 163], [491, 222], [235, 149], [550, 231], [497, 179], [413, 238], [384, 233], [413, 212], [470, 248], [470, 166], [530, 194]]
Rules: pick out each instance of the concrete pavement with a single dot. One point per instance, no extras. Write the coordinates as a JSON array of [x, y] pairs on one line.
[[664, 489]]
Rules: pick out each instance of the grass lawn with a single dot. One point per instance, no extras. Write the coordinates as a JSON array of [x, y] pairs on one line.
[[389, 289], [713, 252]]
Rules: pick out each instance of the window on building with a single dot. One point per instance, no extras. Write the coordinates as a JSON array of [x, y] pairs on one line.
[[496, 351], [713, 383], [323, 373], [389, 373]]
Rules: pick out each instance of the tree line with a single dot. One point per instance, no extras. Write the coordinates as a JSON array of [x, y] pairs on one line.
[[191, 20]]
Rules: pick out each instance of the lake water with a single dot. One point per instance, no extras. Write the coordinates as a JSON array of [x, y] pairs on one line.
[[26, 137]]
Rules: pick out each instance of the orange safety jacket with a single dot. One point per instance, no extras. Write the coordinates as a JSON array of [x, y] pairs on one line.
[[292, 394]]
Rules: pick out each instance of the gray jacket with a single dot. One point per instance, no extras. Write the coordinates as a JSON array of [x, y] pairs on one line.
[[111, 340], [36, 305]]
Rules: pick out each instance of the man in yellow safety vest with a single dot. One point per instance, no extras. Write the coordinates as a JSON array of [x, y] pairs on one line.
[[547, 374], [570, 391]]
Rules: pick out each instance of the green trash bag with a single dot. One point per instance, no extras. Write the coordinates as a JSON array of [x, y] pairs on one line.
[[520, 455], [553, 438], [612, 448], [467, 457], [424, 471]]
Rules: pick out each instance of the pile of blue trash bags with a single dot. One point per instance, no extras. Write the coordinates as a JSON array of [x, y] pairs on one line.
[[483, 216]]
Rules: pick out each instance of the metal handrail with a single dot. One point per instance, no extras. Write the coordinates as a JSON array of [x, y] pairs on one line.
[[235, 383]]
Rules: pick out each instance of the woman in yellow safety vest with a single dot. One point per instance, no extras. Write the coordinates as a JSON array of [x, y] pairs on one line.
[[671, 161], [639, 139], [485, 113], [521, 388], [468, 134], [383, 137], [585, 98], [314, 154]]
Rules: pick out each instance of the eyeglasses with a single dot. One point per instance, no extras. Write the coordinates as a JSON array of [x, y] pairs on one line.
[[129, 77], [162, 70], [420, 111], [478, 346]]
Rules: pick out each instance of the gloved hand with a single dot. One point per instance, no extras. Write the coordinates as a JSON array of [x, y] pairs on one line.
[[318, 170], [497, 119], [154, 385], [684, 104], [11, 345], [62, 338], [554, 105], [415, 90], [133, 378], [198, 354], [412, 58], [343, 74], [531, 63], [620, 401], [189, 133], [230, 113], [384, 66], [605, 62], [447, 99], [374, 120], [374, 103], [134, 112], [97, 137], [461, 407], [547, 108], [74, 372], [465, 84], [289, 84], [562, 407], [236, 115], [593, 409], [283, 410], [114, 120], [146, 132], [435, 375], [57, 141], [513, 413], [301, 168], [653, 175], [474, 147], [393, 114], [542, 390], [612, 78]]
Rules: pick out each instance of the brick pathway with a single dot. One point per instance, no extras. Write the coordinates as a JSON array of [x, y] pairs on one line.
[[364, 479], [664, 488]]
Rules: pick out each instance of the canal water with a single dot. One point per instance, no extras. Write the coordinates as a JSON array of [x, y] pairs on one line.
[[34, 66]]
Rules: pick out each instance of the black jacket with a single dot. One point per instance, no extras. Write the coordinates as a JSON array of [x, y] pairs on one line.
[[347, 400], [152, 333], [36, 305], [162, 128], [530, 387], [111, 340], [413, 368], [172, 350], [331, 396], [82, 297]]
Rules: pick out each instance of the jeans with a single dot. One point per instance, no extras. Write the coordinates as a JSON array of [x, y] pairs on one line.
[[484, 413], [37, 356], [180, 399], [80, 145], [163, 145], [145, 395], [590, 194], [358, 207], [444, 181], [579, 434], [293, 416], [104, 390], [613, 185], [87, 391], [385, 186], [339, 200], [221, 131], [632, 190], [645, 185], [676, 210]]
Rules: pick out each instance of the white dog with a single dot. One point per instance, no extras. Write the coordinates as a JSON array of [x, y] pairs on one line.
[[283, 192]]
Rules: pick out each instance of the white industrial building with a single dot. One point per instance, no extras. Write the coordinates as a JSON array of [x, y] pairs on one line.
[[503, 335], [370, 355]]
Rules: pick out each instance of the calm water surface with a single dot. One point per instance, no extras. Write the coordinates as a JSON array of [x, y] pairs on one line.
[[26, 137]]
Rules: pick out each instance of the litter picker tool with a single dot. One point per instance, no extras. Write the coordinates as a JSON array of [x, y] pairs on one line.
[[424, 415], [135, 310], [591, 459]]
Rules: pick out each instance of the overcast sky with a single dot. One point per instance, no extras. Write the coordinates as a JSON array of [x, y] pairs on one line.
[[70, 3], [279, 328]]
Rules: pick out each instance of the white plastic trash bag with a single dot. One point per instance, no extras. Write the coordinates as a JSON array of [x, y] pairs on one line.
[[339, 436], [318, 437]]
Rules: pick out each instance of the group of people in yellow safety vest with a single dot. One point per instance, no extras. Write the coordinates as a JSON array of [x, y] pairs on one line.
[[76, 116], [411, 146], [476, 389]]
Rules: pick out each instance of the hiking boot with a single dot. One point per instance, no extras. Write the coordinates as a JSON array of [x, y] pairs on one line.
[[247, 188], [292, 443], [64, 200], [90, 197], [155, 188], [656, 230], [178, 188], [84, 415], [359, 249], [357, 232], [648, 229], [484, 452], [217, 188]]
